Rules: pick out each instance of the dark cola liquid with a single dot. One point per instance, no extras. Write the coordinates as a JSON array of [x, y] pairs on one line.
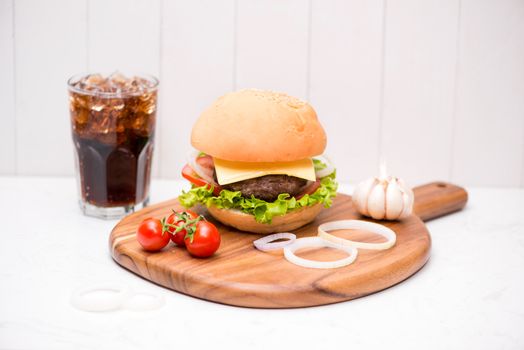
[[113, 122], [112, 174]]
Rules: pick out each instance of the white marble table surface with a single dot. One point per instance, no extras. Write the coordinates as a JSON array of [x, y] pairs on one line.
[[470, 295]]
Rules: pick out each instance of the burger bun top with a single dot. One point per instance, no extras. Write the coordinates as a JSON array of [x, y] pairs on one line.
[[259, 126]]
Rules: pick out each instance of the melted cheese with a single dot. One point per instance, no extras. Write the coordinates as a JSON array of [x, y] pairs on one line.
[[229, 172]]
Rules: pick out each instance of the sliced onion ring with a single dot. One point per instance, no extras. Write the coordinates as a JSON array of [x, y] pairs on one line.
[[357, 224], [266, 243], [151, 302], [111, 302], [312, 242], [121, 297], [192, 161], [328, 170]]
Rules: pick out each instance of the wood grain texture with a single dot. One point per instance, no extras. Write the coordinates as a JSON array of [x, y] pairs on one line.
[[241, 275], [437, 199]]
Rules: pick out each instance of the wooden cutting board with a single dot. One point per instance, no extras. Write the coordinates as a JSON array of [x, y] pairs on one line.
[[238, 274]]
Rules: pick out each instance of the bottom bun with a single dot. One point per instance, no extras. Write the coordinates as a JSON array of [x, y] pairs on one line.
[[247, 222]]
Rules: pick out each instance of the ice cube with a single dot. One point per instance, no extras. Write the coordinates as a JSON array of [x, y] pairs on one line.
[[137, 84], [97, 106], [147, 102], [82, 116], [117, 104], [92, 82], [77, 101], [116, 82], [117, 78]]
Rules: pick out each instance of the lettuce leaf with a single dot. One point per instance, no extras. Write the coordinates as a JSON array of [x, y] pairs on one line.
[[262, 211], [318, 164]]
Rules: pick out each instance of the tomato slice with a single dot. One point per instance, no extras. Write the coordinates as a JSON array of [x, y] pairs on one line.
[[309, 189], [189, 174]]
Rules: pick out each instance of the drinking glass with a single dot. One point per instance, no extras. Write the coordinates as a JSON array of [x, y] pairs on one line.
[[113, 127]]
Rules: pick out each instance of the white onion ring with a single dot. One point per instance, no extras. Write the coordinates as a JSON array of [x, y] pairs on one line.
[[122, 298], [357, 224], [328, 170], [307, 242], [111, 302], [266, 243], [155, 302], [191, 160]]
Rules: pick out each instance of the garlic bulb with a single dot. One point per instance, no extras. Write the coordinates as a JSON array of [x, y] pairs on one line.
[[383, 197]]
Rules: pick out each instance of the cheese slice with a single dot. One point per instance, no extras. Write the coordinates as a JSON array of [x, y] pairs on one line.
[[229, 172]]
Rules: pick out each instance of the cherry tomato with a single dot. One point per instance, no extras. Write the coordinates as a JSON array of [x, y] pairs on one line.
[[189, 174], [150, 235], [174, 219], [205, 240], [309, 189]]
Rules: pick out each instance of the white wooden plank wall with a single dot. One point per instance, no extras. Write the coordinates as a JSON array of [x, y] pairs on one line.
[[345, 81], [7, 95], [419, 76], [124, 35], [435, 87], [489, 130], [50, 46], [272, 45], [197, 66]]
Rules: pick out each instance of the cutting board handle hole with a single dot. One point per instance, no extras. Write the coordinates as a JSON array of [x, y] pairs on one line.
[[441, 185]]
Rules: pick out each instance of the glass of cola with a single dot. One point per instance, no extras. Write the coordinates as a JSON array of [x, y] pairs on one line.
[[113, 127]]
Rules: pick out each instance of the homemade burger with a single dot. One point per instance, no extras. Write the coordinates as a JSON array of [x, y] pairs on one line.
[[254, 168]]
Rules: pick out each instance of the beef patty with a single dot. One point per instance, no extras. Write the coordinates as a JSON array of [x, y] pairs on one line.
[[267, 187]]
